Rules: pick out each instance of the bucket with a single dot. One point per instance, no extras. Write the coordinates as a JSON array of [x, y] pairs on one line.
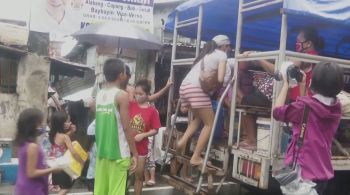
[[9, 171], [263, 134], [5, 150]]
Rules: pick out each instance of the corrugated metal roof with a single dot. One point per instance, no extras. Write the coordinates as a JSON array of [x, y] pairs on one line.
[[67, 68], [68, 86]]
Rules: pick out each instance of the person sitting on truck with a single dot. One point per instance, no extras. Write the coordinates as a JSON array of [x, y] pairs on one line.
[[192, 95], [308, 41], [322, 122], [249, 95]]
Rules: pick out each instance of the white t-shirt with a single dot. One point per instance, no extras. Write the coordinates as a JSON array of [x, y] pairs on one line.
[[228, 71], [211, 62], [92, 128]]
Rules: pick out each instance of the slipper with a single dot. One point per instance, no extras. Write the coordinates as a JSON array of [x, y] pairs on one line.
[[189, 180], [198, 163], [151, 183], [195, 164]]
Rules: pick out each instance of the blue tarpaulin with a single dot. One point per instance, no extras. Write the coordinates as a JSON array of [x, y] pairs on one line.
[[261, 29]]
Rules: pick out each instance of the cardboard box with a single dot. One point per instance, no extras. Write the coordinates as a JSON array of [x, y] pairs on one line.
[[263, 135]]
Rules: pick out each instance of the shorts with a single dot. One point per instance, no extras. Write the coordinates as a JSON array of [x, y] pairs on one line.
[[142, 148], [63, 180], [111, 176], [194, 96]]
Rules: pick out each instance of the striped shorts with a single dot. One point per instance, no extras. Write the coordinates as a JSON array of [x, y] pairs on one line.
[[194, 96]]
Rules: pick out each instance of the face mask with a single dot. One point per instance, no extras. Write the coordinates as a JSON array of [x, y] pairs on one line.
[[67, 125], [41, 130], [299, 47], [141, 98]]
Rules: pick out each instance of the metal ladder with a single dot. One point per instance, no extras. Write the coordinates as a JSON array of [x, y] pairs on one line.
[[205, 169]]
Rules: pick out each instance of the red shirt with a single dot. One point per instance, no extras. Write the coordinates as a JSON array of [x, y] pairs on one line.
[[295, 91], [143, 120]]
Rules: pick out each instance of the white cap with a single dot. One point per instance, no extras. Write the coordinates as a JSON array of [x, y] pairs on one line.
[[221, 40]]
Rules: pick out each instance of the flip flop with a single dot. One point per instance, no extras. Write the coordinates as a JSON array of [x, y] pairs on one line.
[[198, 163], [195, 164], [151, 183]]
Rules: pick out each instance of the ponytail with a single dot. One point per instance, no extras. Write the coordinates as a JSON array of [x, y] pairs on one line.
[[208, 48]]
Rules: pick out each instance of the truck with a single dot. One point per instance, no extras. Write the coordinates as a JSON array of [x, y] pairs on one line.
[[267, 26]]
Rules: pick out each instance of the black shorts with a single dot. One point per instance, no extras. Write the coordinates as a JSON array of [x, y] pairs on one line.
[[63, 180]]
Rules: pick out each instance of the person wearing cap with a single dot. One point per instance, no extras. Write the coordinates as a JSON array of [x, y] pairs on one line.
[[214, 56]]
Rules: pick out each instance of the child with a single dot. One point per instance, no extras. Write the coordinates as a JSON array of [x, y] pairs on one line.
[[145, 122], [114, 140], [60, 143], [323, 119], [33, 171], [151, 98]]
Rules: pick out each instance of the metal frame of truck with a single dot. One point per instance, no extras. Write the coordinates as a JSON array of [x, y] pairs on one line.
[[274, 157], [188, 62]]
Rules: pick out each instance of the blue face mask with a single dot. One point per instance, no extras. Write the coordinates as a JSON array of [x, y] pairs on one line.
[[41, 130]]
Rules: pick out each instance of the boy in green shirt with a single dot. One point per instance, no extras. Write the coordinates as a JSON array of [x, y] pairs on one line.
[[113, 133]]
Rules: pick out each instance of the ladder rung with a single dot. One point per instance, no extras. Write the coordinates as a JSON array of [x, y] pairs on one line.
[[188, 21], [252, 3], [186, 24], [182, 62], [209, 168], [258, 6], [183, 185]]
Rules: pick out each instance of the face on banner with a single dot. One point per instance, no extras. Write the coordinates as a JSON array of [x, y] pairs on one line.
[[60, 18], [135, 12]]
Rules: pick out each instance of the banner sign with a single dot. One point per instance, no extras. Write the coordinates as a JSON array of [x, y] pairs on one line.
[[64, 17], [137, 12]]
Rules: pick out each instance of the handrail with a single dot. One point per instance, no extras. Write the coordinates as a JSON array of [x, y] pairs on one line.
[[170, 136], [179, 62], [316, 58], [212, 134], [258, 55]]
